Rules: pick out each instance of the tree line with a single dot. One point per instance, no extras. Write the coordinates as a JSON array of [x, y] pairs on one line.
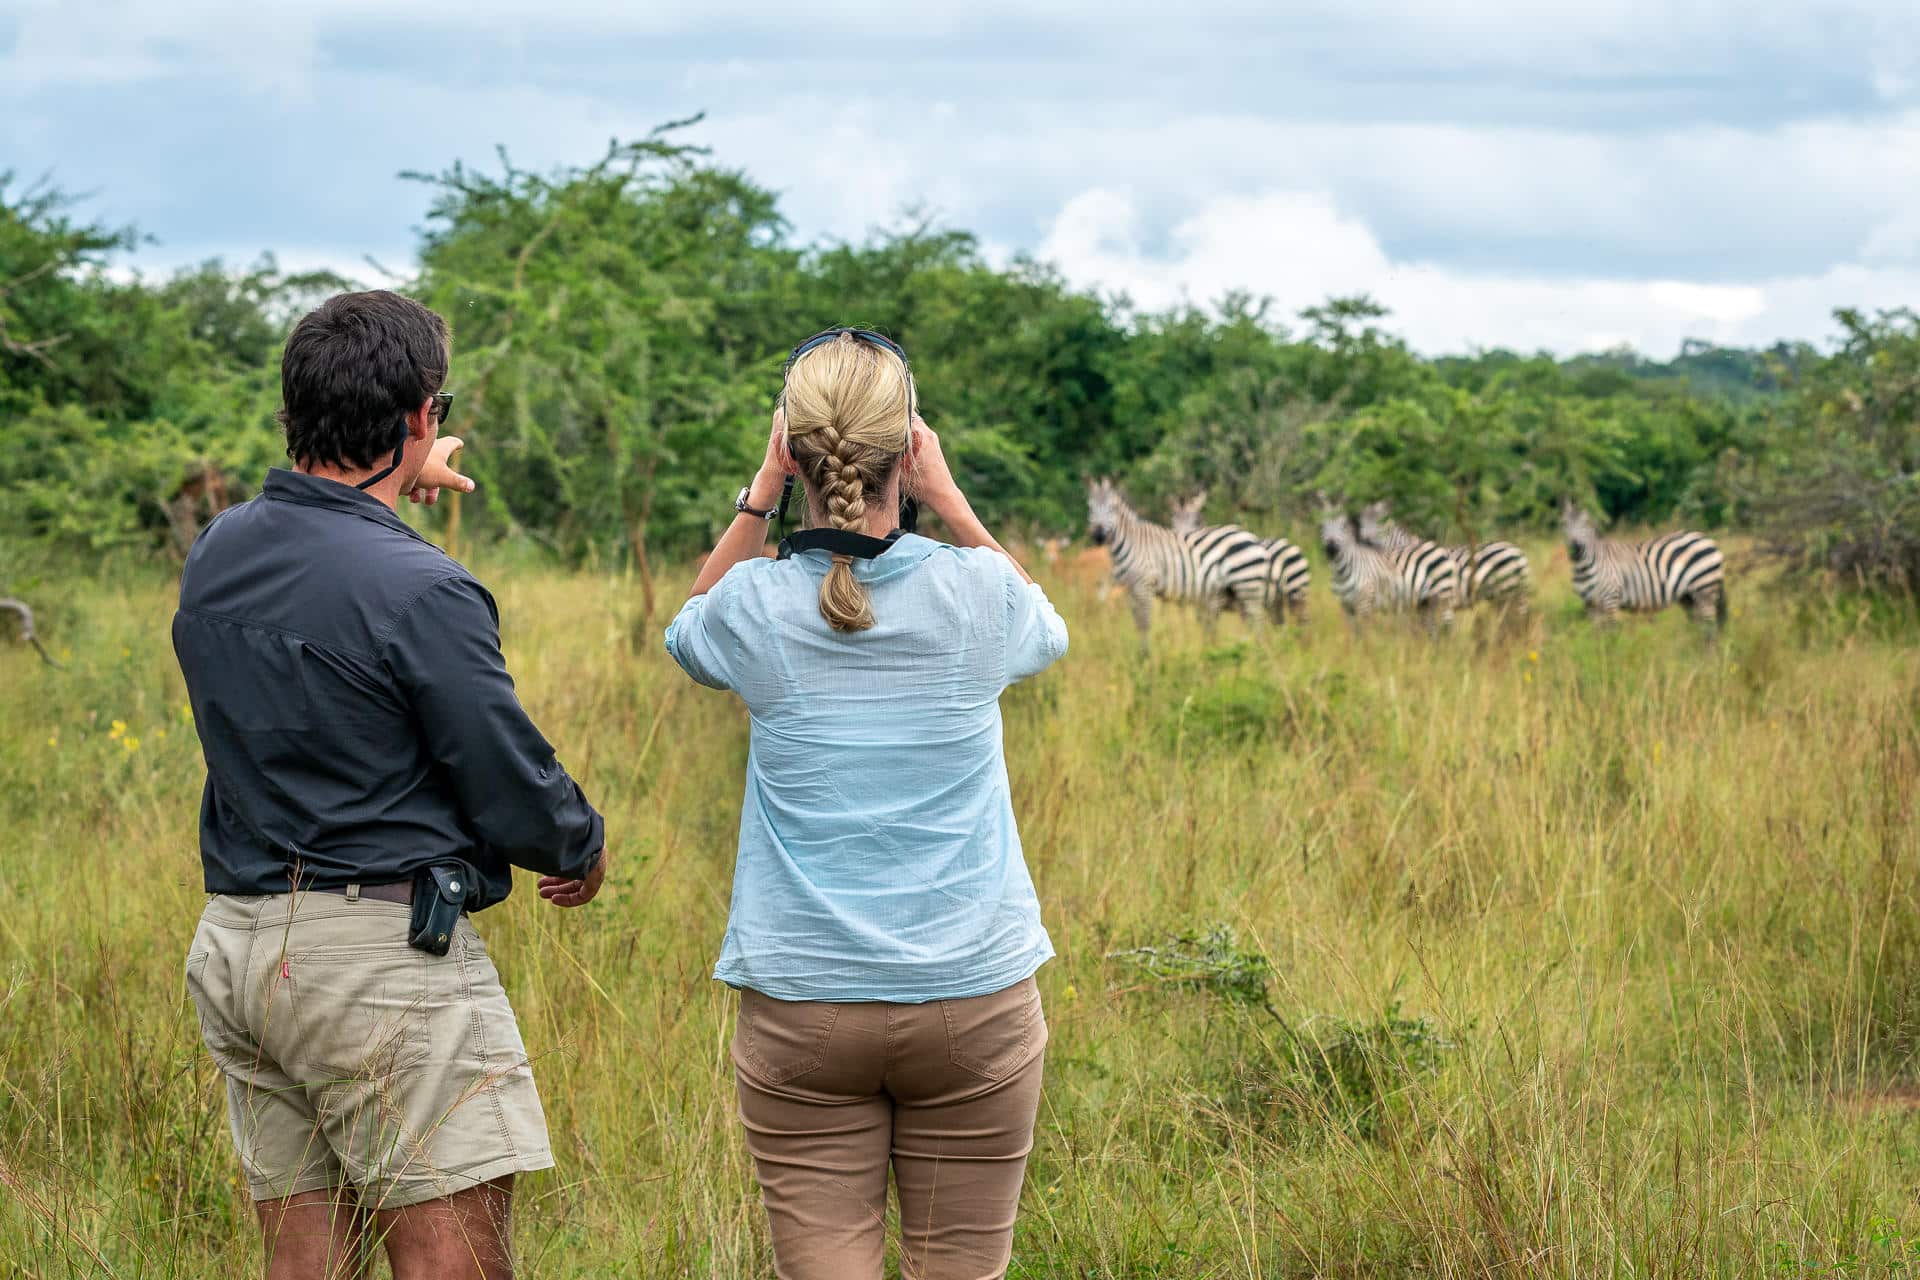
[[620, 328]]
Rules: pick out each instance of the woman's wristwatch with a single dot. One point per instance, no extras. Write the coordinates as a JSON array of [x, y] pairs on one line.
[[741, 505]]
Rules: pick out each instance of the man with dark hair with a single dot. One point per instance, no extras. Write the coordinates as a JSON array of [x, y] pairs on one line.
[[371, 779]]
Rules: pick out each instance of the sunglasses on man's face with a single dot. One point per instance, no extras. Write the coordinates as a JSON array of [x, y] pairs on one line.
[[442, 405]]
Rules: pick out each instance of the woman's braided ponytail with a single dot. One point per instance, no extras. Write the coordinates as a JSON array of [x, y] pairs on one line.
[[844, 601], [848, 406]]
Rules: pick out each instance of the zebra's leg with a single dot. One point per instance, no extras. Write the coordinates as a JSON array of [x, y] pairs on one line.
[[1708, 609], [1253, 612], [1140, 599], [1512, 618], [1282, 609], [1210, 606]]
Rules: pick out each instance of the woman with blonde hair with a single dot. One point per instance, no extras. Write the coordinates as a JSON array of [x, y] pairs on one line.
[[884, 932]]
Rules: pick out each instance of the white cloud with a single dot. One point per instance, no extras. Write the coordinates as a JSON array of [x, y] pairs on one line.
[[1895, 241], [110, 42], [1298, 249], [1500, 171]]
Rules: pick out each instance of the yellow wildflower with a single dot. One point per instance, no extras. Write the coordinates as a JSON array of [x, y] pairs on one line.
[[118, 730], [1071, 993], [131, 744], [54, 741], [1533, 655], [1527, 676], [126, 653]]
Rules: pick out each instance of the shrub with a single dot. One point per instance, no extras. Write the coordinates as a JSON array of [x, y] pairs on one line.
[[1300, 1075]]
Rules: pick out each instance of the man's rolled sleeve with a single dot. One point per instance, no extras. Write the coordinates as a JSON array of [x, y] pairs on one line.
[[1036, 634], [445, 655]]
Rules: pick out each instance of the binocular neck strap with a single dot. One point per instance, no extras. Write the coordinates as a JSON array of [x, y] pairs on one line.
[[399, 456], [841, 542]]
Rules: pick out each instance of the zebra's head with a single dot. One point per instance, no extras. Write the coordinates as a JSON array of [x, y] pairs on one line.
[[1337, 530], [1104, 505], [1581, 533], [1376, 518], [1185, 515]]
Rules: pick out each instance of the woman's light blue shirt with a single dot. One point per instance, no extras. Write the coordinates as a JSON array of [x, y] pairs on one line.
[[878, 857]]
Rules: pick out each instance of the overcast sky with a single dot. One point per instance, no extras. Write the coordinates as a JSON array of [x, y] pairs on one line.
[[1564, 174]]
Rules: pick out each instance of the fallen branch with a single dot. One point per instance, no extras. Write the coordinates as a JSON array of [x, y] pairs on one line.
[[26, 628]]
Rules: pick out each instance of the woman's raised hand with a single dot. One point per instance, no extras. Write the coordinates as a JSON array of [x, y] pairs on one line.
[[775, 467], [928, 477]]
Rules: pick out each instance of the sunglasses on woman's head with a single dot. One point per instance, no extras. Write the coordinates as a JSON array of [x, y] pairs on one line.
[[909, 509], [864, 335]]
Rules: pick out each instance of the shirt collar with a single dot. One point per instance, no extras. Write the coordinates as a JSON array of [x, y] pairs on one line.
[[907, 552], [317, 491]]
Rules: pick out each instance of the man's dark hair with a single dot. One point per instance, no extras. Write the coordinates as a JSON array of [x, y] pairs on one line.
[[354, 368]]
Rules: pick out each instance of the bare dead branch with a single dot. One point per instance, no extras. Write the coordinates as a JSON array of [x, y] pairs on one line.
[[36, 349], [26, 628], [10, 285]]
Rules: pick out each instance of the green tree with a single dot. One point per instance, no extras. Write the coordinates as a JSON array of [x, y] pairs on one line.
[[1832, 478], [615, 329]]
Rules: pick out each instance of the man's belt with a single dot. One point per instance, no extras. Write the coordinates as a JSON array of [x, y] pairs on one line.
[[437, 896], [400, 891]]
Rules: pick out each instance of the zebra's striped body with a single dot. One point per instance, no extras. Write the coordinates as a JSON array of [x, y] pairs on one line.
[[1280, 588], [1491, 571], [1675, 568], [1151, 560], [1287, 578], [1419, 578]]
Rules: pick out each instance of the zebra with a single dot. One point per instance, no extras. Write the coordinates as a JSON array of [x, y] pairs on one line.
[[1151, 560], [1612, 574], [1419, 578], [1283, 580], [1492, 571]]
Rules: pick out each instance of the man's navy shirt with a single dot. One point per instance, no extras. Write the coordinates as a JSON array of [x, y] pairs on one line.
[[354, 708]]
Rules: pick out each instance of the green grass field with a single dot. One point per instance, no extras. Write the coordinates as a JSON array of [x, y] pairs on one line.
[[1561, 954]]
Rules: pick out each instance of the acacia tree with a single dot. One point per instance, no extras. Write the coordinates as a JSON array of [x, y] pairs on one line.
[[1833, 480], [612, 323], [114, 391], [44, 298]]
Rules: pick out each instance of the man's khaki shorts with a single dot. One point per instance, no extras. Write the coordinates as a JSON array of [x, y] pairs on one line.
[[354, 1059]]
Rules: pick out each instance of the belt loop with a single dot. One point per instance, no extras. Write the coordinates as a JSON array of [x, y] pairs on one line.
[[353, 893]]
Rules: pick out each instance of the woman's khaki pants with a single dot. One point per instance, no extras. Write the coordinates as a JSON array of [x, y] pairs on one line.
[[945, 1092]]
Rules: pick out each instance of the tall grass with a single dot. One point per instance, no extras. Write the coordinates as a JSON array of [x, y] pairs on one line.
[[1565, 953]]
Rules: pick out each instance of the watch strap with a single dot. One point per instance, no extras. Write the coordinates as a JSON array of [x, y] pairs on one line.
[[741, 505]]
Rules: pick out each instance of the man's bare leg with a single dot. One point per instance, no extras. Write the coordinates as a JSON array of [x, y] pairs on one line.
[[465, 1236], [316, 1235]]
